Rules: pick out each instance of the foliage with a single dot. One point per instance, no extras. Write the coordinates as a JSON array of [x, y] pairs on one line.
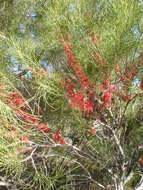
[[71, 93]]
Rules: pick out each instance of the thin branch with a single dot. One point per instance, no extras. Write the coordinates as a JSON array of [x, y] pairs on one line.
[[115, 138]]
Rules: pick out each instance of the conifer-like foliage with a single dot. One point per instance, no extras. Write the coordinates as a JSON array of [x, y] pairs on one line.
[[71, 93]]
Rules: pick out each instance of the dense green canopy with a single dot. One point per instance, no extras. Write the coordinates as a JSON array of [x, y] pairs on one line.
[[106, 38]]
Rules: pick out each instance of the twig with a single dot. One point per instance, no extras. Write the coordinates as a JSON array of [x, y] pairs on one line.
[[116, 139]]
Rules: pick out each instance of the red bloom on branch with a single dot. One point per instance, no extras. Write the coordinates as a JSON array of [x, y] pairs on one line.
[[31, 119], [76, 99], [79, 101], [89, 107], [44, 128], [57, 137], [25, 139], [79, 97], [15, 95], [74, 65], [18, 102], [62, 141], [107, 98], [69, 87]]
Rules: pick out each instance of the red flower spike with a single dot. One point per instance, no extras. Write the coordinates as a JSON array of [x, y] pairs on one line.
[[78, 101], [44, 128], [107, 98], [56, 136], [62, 141], [89, 107], [25, 139], [73, 63], [31, 119], [18, 102], [79, 97]]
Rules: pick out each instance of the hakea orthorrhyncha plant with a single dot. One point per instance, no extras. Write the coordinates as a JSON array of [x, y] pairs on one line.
[[78, 99], [81, 99], [74, 65], [22, 110], [86, 96]]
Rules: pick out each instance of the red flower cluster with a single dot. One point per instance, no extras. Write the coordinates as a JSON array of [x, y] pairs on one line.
[[89, 107], [107, 98], [16, 100], [74, 65], [68, 85], [57, 138], [25, 139], [86, 97], [43, 127], [79, 99], [21, 108], [108, 91]]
